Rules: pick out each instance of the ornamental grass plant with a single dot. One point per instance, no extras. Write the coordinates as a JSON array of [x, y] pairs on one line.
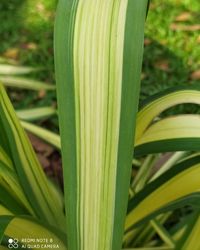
[[131, 176]]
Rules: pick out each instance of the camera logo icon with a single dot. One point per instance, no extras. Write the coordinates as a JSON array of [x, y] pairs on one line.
[[13, 243]]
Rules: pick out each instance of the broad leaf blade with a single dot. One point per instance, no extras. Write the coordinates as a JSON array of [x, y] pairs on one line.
[[98, 56]]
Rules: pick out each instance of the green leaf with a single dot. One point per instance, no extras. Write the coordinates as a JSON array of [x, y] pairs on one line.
[[30, 173], [3, 248], [25, 83], [46, 135], [98, 57], [191, 239], [4, 222], [175, 127], [4, 158], [26, 228], [9, 180], [181, 137], [177, 133], [10, 202], [6, 69], [149, 248], [178, 182], [36, 113], [162, 101]]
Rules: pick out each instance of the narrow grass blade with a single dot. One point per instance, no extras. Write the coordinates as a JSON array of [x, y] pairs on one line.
[[36, 113], [191, 239], [25, 83], [46, 135], [10, 202], [5, 159], [10, 181], [175, 158], [163, 233], [6, 69]]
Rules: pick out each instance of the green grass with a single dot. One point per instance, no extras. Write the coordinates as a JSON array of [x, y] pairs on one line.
[[29, 30], [27, 37], [180, 49]]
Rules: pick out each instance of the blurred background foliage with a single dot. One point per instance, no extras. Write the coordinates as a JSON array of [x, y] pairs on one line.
[[172, 44]]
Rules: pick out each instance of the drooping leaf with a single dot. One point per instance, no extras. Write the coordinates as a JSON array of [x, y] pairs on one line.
[[158, 103], [152, 109], [176, 183], [176, 133], [30, 173]]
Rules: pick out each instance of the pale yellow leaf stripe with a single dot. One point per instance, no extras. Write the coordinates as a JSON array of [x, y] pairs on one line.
[[36, 113], [177, 187], [192, 241], [24, 228], [21, 228], [46, 135], [181, 126], [5, 158], [98, 56], [10, 181], [6, 69], [27, 163], [150, 111]]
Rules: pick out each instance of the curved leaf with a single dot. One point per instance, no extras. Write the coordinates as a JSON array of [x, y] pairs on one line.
[[162, 101], [30, 173], [176, 183], [21, 228], [178, 133]]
